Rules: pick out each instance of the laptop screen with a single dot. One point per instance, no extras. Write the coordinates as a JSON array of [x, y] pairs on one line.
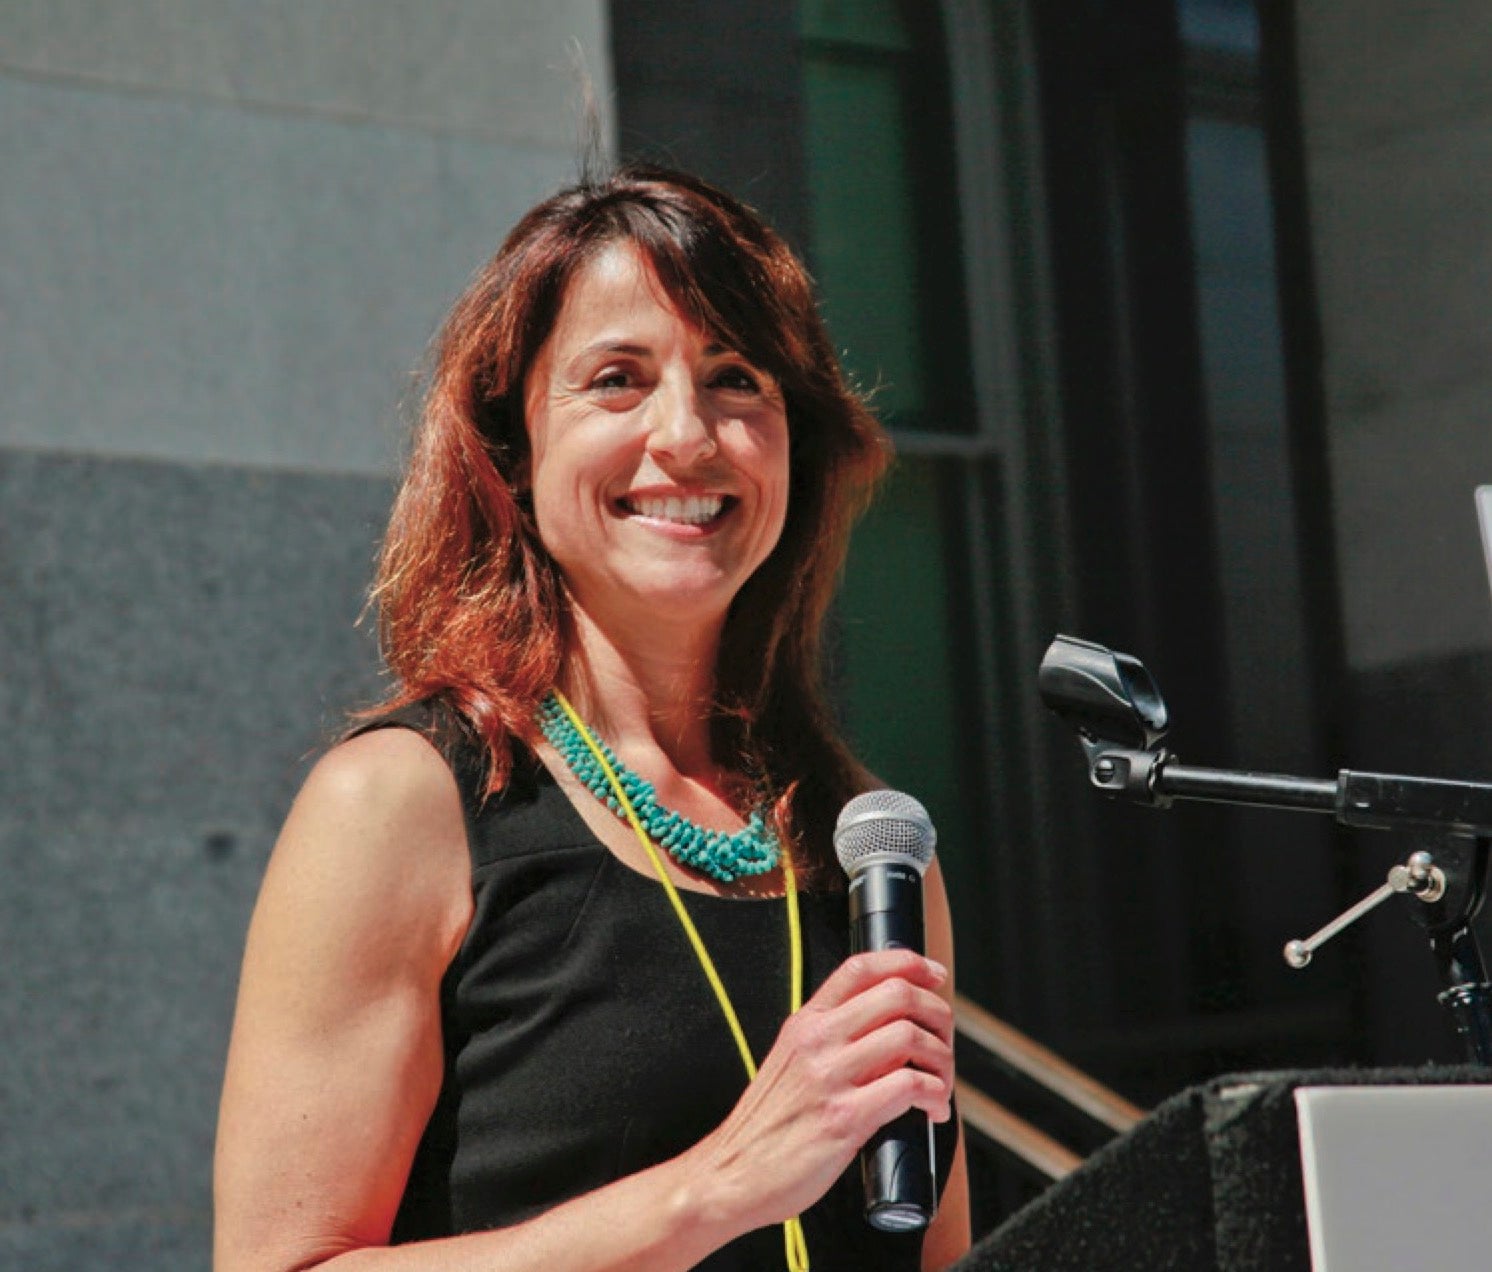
[[1396, 1177]]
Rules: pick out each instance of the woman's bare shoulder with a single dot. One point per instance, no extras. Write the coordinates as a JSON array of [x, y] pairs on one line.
[[377, 830], [395, 770]]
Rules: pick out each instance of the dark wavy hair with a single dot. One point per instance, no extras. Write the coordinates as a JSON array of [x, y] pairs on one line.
[[471, 605]]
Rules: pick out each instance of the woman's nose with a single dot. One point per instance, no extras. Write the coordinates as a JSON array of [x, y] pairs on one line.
[[682, 430]]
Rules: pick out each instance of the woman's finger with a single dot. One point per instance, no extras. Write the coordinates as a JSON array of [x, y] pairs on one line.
[[897, 1045], [861, 971], [893, 1093], [894, 999]]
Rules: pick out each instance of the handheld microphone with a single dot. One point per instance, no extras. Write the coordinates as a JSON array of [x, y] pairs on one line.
[[885, 840]]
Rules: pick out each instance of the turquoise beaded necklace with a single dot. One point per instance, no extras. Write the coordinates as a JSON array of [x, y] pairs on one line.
[[752, 850]]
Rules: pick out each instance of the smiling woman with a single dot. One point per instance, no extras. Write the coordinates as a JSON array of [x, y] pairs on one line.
[[658, 456], [479, 1023]]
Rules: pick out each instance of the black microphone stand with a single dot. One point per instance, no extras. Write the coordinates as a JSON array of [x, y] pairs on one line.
[[1121, 720]]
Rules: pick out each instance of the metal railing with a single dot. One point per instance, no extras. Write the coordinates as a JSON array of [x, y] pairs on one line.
[[1014, 1051]]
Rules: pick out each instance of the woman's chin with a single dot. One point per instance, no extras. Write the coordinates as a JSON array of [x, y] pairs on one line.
[[674, 605], [674, 599]]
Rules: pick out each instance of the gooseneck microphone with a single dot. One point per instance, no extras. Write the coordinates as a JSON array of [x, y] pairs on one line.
[[884, 841]]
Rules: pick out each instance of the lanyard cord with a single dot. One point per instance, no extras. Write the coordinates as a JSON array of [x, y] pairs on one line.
[[792, 1229]]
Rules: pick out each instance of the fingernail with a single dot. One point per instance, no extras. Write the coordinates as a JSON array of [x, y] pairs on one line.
[[938, 969]]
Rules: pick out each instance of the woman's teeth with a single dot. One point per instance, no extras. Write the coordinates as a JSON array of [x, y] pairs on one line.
[[693, 510]]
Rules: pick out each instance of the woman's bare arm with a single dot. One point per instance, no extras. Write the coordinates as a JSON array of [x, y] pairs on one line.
[[336, 1058], [948, 1236]]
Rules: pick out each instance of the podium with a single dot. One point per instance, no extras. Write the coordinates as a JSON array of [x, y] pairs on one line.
[[1211, 1181]]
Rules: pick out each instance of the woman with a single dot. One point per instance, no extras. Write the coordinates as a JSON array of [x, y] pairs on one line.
[[474, 1029]]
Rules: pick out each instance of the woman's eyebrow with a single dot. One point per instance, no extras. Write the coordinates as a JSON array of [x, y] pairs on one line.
[[612, 344], [608, 345]]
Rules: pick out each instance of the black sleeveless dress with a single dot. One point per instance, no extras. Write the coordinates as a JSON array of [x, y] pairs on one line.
[[582, 1041]]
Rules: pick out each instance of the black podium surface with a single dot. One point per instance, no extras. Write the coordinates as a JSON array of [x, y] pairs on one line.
[[1209, 1182]]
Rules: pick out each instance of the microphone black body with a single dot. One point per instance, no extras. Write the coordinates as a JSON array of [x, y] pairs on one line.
[[885, 841], [896, 1164]]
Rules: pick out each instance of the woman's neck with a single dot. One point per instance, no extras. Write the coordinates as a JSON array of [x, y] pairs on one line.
[[653, 693]]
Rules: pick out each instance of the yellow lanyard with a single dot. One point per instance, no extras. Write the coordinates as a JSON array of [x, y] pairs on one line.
[[792, 1229]]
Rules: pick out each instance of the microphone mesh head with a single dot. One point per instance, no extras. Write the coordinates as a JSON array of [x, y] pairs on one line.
[[884, 826]]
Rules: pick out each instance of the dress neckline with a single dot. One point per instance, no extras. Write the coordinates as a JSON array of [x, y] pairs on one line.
[[542, 776]]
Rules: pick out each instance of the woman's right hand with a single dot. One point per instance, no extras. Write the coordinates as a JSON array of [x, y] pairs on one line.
[[873, 1042]]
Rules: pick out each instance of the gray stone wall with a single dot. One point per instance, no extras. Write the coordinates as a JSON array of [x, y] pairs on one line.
[[1397, 134], [228, 231], [1397, 122]]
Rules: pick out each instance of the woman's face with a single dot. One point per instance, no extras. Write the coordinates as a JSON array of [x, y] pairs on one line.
[[658, 457]]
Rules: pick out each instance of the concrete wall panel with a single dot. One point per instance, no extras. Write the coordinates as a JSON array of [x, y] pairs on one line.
[[1413, 577], [1374, 68], [1405, 259], [163, 1240], [500, 71], [1397, 131], [176, 643], [201, 283]]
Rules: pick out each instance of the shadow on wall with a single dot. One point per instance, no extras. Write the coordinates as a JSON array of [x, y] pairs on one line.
[[176, 642]]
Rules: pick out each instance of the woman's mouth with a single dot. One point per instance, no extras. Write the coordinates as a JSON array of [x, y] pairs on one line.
[[683, 510]]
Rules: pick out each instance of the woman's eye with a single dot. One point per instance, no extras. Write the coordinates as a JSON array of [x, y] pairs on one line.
[[612, 381], [736, 379]]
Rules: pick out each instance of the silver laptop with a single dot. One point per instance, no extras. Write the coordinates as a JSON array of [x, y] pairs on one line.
[[1397, 1178]]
